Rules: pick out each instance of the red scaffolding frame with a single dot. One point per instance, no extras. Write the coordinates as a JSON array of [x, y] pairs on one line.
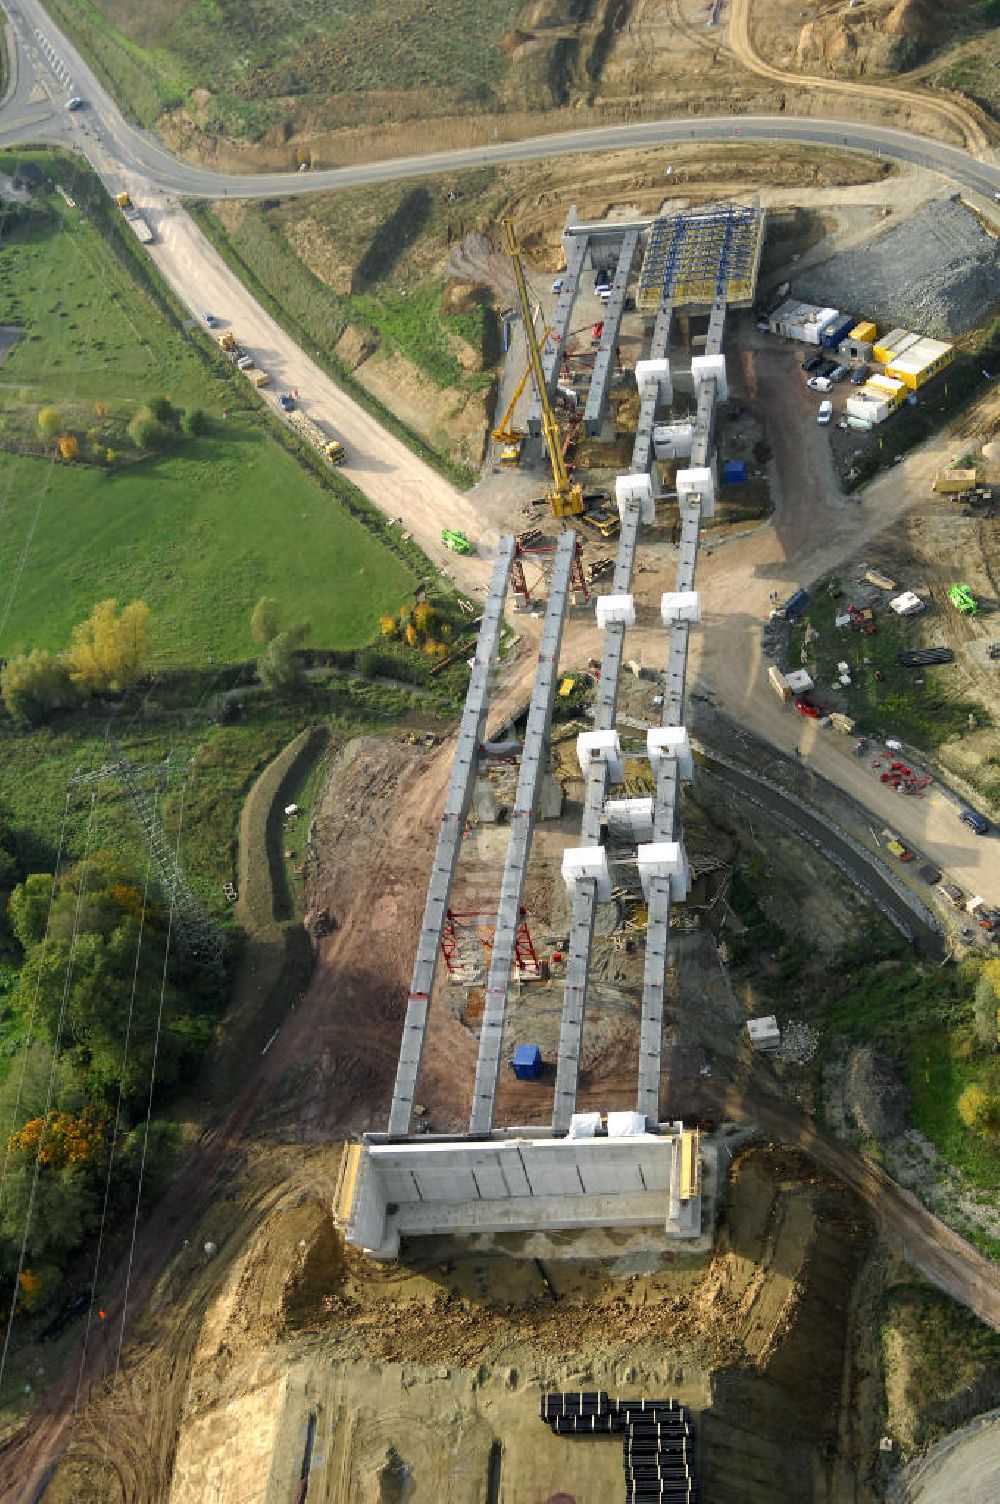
[[484, 920]]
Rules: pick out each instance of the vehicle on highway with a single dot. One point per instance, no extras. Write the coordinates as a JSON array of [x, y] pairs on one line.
[[812, 363], [286, 401], [860, 375], [810, 708], [975, 821], [819, 383], [825, 412], [74, 103]]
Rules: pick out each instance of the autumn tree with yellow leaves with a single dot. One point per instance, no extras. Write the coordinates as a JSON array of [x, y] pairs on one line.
[[109, 649]]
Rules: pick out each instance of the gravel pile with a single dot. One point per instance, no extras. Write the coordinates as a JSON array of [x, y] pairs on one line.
[[798, 1043], [937, 274]]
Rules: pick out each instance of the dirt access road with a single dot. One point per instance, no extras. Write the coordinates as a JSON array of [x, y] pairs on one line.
[[951, 114], [964, 1468], [392, 477]]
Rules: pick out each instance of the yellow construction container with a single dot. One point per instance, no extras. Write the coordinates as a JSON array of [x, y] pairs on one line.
[[889, 344], [919, 362], [864, 332], [889, 388]]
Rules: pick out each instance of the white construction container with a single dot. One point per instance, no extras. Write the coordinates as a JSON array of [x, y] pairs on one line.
[[798, 681]]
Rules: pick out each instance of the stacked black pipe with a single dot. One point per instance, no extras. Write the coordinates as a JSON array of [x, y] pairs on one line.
[[657, 1434]]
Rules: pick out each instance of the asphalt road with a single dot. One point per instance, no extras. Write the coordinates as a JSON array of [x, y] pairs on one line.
[[102, 127]]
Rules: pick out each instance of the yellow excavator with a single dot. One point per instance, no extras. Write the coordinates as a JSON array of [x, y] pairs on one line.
[[505, 433], [565, 497]]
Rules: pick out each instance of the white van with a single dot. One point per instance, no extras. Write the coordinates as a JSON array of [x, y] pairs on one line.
[[825, 412]]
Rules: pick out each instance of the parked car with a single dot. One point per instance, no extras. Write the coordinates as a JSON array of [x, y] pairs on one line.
[[975, 821], [819, 383], [810, 708], [211, 321], [839, 372], [825, 412], [826, 367], [812, 363], [74, 103], [860, 375]]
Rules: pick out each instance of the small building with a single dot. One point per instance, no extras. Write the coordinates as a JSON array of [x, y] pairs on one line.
[[801, 321], [527, 1062], [798, 681], [855, 349], [920, 361], [764, 1033]]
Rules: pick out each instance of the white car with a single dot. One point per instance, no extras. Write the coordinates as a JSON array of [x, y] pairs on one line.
[[557, 285], [74, 103], [819, 383], [825, 412]]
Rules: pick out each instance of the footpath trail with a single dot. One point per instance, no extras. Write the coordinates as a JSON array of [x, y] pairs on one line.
[[951, 114]]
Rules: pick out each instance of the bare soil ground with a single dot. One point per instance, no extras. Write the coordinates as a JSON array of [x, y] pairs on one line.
[[412, 1374], [643, 59]]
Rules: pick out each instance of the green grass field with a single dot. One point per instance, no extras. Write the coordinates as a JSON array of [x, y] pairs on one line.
[[199, 534], [261, 61], [924, 713], [201, 531]]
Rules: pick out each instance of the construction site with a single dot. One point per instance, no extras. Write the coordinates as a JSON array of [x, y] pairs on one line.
[[583, 1242]]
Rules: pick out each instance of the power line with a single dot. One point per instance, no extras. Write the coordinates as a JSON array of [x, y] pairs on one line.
[[117, 1124], [145, 1136], [67, 983]]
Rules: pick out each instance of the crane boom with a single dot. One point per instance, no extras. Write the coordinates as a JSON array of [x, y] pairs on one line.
[[504, 433], [565, 497]]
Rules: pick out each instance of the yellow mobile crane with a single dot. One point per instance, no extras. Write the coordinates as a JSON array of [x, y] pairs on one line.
[[504, 433], [566, 497]]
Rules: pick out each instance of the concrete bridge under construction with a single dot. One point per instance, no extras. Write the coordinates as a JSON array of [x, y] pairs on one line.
[[625, 1168]]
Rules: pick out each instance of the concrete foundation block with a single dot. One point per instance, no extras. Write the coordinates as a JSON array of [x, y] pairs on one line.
[[671, 743], [665, 859], [600, 746], [697, 483], [633, 489], [615, 608], [709, 368], [679, 605], [654, 373], [580, 863]]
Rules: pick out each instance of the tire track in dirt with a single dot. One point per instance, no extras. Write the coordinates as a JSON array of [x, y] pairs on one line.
[[950, 114]]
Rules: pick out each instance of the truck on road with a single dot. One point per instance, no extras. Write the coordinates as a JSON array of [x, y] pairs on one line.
[[332, 450], [140, 228]]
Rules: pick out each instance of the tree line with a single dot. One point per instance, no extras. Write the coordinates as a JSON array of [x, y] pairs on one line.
[[108, 652]]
